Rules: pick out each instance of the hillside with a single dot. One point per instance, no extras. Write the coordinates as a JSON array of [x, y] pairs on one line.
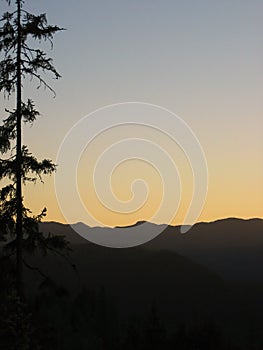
[[233, 248]]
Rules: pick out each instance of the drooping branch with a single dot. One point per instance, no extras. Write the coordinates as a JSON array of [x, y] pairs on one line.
[[7, 75], [36, 269], [41, 81], [31, 165]]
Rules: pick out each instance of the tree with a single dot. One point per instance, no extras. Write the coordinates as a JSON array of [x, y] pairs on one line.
[[18, 226]]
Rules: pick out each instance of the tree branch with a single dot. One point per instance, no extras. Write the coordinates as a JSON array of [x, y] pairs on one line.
[[36, 269]]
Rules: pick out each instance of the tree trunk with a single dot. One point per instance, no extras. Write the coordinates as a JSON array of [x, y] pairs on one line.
[[19, 204]]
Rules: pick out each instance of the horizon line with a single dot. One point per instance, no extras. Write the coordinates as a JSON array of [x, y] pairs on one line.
[[153, 223]]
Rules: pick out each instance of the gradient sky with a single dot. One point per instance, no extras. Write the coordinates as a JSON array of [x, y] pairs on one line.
[[200, 59]]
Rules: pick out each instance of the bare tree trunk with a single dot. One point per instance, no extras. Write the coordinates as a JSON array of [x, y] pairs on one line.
[[19, 228]]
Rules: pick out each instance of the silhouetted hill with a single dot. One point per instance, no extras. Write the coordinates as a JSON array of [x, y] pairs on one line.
[[135, 277], [181, 274], [231, 247]]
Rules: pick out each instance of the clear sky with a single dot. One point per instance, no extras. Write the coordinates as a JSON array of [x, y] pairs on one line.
[[200, 59]]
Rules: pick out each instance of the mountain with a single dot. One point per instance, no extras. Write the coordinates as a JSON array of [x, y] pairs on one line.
[[213, 272], [136, 277], [232, 247]]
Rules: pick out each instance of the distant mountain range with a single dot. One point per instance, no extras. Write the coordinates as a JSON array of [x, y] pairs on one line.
[[232, 248], [214, 271]]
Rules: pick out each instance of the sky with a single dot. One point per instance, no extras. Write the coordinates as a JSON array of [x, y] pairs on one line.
[[201, 60]]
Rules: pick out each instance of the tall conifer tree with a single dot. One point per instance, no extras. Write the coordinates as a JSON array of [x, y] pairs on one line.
[[20, 60]]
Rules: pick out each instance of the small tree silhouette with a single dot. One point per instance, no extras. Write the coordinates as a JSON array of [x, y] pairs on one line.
[[155, 336], [18, 226]]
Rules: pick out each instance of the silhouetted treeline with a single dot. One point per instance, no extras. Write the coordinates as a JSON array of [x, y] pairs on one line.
[[127, 299], [56, 320]]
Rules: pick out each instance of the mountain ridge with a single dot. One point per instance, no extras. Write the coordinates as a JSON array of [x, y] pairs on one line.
[[149, 222], [232, 247]]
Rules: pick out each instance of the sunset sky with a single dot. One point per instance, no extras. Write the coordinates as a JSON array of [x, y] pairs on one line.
[[202, 60]]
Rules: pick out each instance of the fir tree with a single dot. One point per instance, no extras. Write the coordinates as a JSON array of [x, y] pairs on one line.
[[19, 61]]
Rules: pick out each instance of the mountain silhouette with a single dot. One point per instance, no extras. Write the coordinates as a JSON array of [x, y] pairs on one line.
[[233, 248], [194, 277]]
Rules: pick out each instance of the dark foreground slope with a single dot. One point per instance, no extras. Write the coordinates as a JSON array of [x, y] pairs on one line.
[[128, 283]]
